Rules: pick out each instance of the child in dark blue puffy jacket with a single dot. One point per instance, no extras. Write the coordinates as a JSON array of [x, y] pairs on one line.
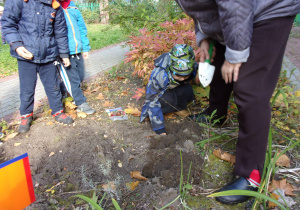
[[37, 34], [79, 46]]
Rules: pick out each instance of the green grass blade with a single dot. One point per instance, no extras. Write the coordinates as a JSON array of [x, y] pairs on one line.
[[90, 201], [170, 203], [116, 205], [247, 193]]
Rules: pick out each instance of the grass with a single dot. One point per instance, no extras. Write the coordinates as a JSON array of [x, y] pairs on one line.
[[99, 35]]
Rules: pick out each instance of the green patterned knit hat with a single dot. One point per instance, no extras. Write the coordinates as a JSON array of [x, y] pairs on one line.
[[182, 59]]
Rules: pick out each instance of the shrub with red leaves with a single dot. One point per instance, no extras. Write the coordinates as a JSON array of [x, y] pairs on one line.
[[150, 45]]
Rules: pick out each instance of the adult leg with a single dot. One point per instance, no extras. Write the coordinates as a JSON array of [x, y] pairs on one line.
[[253, 90], [219, 91]]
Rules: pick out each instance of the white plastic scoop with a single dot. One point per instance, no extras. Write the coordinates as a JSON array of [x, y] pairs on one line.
[[205, 70]]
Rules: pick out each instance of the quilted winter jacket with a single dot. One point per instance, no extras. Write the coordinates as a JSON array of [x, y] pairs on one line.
[[158, 83], [231, 22], [77, 31], [39, 26]]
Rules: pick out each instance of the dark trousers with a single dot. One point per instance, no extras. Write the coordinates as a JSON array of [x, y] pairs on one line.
[[176, 99], [28, 76], [253, 91], [75, 74]]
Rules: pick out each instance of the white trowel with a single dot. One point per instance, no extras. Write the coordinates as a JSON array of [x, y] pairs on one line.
[[205, 70]]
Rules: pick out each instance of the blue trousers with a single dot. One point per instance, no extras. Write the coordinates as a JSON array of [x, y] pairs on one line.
[[75, 73], [28, 77]]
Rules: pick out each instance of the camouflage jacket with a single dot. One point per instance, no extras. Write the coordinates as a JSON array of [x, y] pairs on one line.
[[158, 83]]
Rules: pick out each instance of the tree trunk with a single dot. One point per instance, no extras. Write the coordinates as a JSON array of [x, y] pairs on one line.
[[103, 14]]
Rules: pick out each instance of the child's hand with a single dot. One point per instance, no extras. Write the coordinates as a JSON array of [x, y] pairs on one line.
[[85, 55], [24, 53], [66, 62]]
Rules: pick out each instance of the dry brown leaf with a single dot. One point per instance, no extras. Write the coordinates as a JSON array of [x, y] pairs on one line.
[[87, 92], [133, 111], [224, 156], [100, 96], [10, 136], [110, 186], [282, 184], [283, 160], [51, 154], [137, 175], [120, 78], [73, 113], [124, 93], [106, 89], [170, 116], [70, 105], [108, 104], [81, 114], [183, 113], [17, 144], [271, 204], [132, 185], [95, 90]]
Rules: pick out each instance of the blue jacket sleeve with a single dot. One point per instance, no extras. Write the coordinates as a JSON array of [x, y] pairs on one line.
[[83, 33], [10, 19], [156, 87], [61, 33]]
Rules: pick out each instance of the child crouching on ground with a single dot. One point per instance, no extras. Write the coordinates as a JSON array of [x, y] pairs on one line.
[[168, 89], [79, 46]]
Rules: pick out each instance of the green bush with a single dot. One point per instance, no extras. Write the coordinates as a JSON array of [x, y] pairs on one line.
[[143, 14], [91, 16]]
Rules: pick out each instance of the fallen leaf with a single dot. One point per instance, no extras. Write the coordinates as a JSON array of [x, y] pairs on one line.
[[271, 204], [81, 114], [282, 184], [50, 123], [110, 186], [124, 93], [95, 90], [133, 111], [183, 113], [100, 96], [108, 104], [16, 144], [283, 160], [170, 116], [70, 105], [73, 113], [139, 93], [224, 156], [10, 136], [51, 154], [137, 175], [120, 78], [132, 185]]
